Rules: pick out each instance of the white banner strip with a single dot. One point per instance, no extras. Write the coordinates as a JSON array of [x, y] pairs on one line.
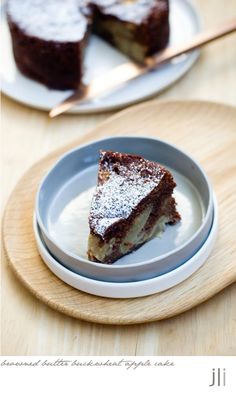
[[114, 374]]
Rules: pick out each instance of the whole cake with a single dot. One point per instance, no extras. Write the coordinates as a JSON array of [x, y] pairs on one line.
[[49, 37], [133, 201]]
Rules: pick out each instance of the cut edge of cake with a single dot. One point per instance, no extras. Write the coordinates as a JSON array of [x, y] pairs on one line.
[[137, 28]]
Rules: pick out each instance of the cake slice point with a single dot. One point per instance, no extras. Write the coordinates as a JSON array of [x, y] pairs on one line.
[[133, 201]]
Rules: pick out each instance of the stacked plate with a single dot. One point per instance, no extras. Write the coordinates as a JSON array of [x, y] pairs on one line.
[[61, 223]]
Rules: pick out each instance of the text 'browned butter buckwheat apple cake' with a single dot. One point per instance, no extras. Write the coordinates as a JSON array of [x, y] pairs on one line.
[[49, 36], [133, 201]]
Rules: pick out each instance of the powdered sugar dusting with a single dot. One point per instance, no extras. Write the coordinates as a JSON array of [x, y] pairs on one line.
[[120, 192], [60, 20], [130, 10]]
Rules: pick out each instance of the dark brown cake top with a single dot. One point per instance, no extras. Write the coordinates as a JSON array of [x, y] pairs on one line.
[[124, 180], [136, 11], [52, 20]]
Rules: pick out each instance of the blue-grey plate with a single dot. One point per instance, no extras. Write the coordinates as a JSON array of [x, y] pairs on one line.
[[63, 200]]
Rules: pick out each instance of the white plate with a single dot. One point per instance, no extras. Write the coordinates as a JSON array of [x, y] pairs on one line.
[[184, 23], [130, 289]]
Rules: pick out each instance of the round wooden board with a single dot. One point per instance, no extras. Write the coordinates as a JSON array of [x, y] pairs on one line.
[[205, 130]]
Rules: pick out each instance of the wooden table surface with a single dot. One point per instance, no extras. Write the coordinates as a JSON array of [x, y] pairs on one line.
[[29, 327]]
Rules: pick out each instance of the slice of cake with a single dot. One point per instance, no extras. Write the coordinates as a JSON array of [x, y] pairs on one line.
[[48, 38], [133, 201], [138, 28]]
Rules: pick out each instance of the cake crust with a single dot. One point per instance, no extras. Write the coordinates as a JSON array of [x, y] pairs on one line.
[[48, 39]]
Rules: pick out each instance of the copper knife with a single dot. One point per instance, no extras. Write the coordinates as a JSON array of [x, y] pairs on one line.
[[122, 74]]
